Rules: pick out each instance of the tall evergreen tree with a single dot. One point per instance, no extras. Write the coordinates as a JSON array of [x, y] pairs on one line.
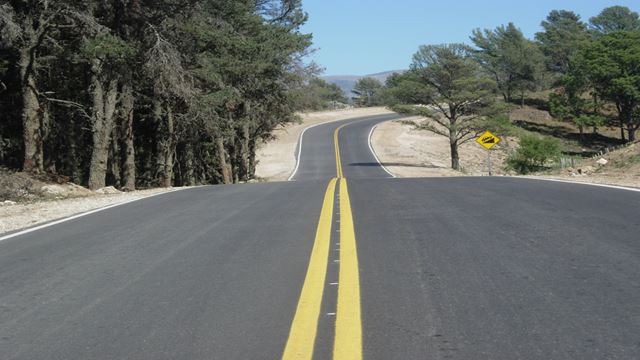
[[512, 60], [615, 18], [444, 82], [562, 36]]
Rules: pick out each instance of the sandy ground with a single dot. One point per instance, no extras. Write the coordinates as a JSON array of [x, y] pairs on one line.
[[277, 158], [415, 153], [22, 215], [407, 152]]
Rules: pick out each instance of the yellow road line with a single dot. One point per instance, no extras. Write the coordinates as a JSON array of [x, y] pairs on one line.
[[336, 144], [302, 335], [348, 336]]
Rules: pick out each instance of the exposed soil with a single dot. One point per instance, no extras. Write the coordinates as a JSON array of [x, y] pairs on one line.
[[408, 152], [620, 167], [27, 200]]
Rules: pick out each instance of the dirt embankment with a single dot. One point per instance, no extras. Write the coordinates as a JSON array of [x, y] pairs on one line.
[[619, 167], [277, 158], [408, 152], [27, 200]]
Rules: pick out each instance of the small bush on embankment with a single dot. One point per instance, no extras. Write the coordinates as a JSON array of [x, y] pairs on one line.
[[534, 154]]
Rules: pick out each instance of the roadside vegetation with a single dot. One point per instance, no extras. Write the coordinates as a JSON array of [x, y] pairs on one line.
[[569, 93], [149, 93]]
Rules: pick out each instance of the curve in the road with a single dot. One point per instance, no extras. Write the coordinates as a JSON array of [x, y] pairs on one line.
[[482, 268], [316, 158]]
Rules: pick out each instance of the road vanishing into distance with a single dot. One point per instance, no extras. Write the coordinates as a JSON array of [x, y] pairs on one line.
[[342, 262]]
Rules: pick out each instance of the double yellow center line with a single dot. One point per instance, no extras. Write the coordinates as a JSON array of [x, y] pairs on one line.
[[348, 330], [336, 144]]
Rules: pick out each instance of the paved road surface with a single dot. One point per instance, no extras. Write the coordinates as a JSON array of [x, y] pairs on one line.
[[363, 267]]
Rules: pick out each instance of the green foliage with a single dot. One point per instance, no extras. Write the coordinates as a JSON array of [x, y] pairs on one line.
[[367, 91], [318, 94], [447, 74], [499, 124], [590, 121], [406, 88], [610, 66], [534, 154], [514, 61], [206, 81], [446, 85], [563, 33], [108, 47], [615, 18]]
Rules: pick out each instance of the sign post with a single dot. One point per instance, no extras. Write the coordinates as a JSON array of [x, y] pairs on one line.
[[487, 140]]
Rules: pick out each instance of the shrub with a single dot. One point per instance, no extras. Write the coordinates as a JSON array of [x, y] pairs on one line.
[[533, 154]]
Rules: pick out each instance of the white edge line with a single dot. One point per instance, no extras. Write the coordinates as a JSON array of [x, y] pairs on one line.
[[295, 170], [518, 177], [577, 182], [394, 176], [364, 118], [374, 152], [72, 217]]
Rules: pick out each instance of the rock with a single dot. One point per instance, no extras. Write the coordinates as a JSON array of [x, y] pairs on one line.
[[108, 190], [52, 189], [7, 203], [602, 162], [587, 170], [77, 190]]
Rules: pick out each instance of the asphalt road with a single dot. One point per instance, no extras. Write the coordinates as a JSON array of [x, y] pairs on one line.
[[446, 268]]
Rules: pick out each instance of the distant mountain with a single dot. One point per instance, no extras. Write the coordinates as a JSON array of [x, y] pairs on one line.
[[347, 82]]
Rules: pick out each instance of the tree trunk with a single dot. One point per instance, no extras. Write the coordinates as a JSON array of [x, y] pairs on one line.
[[165, 145], [159, 153], [114, 155], [31, 115], [252, 158], [626, 119], [244, 154], [632, 131], [129, 166], [453, 142], [104, 105], [581, 129], [189, 176], [222, 158], [169, 149]]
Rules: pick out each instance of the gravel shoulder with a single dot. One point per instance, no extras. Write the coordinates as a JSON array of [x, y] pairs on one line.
[[276, 159], [16, 216]]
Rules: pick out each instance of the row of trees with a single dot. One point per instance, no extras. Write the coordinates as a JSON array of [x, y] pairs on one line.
[[317, 94], [588, 66], [141, 92]]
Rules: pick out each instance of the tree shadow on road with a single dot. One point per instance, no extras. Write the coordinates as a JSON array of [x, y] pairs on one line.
[[372, 164]]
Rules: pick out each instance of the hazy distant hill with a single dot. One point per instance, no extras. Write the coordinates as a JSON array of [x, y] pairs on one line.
[[347, 82]]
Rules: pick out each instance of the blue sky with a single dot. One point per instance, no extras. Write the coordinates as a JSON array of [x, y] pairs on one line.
[[359, 37]]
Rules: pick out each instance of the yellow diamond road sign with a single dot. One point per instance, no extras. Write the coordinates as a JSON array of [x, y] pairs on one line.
[[488, 140]]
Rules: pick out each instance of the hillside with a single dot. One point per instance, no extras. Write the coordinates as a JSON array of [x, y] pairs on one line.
[[347, 82]]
